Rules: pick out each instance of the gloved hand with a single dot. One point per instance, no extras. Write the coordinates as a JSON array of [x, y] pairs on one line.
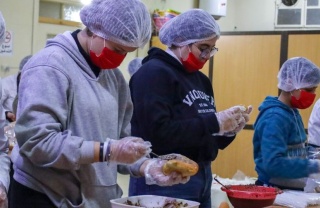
[[128, 150], [228, 119], [317, 174], [3, 197], [246, 113], [313, 152], [154, 175], [245, 116]]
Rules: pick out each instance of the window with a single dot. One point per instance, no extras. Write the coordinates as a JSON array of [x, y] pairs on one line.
[[60, 12], [302, 14], [313, 13]]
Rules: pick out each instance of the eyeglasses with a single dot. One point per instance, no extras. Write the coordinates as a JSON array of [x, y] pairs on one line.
[[205, 52]]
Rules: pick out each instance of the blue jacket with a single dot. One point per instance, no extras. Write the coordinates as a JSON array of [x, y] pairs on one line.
[[278, 143]]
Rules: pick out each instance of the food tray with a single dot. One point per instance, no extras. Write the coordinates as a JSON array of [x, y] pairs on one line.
[[152, 201]]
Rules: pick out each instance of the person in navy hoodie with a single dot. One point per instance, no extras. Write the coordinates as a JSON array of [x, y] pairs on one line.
[[174, 105]]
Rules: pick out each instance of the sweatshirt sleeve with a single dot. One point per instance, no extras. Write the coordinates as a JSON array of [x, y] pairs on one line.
[[4, 149], [42, 125]]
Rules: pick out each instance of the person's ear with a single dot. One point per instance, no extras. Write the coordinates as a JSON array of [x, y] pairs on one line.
[[296, 93]]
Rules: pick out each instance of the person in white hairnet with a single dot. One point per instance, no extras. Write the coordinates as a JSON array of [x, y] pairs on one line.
[[134, 65], [314, 127], [4, 143], [279, 140], [74, 111], [175, 108], [9, 91]]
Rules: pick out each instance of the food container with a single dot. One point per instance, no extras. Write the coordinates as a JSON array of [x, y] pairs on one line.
[[251, 196], [152, 201], [160, 17], [218, 196]]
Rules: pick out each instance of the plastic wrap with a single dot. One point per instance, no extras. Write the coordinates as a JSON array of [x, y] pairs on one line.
[[313, 152], [10, 134], [301, 199]]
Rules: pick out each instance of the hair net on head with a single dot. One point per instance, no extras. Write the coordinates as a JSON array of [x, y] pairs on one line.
[[2, 29], [126, 22], [189, 27], [298, 73], [24, 61], [134, 65]]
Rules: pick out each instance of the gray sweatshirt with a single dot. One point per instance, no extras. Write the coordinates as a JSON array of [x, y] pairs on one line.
[[63, 108]]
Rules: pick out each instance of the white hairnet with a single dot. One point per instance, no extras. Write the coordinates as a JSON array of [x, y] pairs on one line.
[[126, 22], [298, 73], [134, 65], [189, 27], [2, 29]]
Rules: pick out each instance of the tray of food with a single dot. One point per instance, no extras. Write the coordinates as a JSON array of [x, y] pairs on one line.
[[152, 201]]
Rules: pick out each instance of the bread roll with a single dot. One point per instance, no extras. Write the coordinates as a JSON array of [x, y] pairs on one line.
[[224, 205], [184, 168]]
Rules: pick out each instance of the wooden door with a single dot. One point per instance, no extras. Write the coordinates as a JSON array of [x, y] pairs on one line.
[[308, 46], [245, 72]]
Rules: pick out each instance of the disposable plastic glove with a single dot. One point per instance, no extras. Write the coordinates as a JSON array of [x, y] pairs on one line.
[[317, 174], [314, 153], [154, 175], [3, 197], [246, 113], [228, 119], [245, 117], [128, 150]]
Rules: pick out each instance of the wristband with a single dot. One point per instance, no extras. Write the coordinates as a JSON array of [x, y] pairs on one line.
[[101, 152], [108, 153]]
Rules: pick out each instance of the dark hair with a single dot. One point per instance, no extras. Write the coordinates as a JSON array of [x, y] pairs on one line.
[[24, 61], [18, 80], [89, 33]]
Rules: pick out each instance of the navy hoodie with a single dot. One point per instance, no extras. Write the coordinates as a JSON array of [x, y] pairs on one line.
[[174, 109]]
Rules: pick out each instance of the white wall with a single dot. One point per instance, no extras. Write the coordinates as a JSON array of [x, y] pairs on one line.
[[29, 36], [248, 15], [19, 19]]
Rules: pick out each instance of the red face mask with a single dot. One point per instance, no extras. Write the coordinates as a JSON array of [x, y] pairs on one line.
[[192, 63], [108, 59], [305, 101]]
